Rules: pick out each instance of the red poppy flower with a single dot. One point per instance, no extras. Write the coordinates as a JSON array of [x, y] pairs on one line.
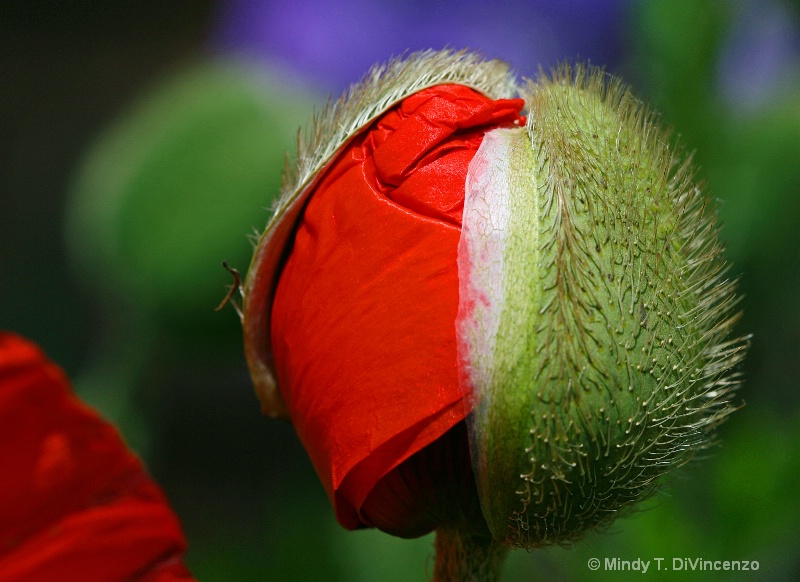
[[75, 504], [395, 194], [362, 324], [575, 315]]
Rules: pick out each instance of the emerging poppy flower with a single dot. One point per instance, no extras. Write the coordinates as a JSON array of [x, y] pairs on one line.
[[386, 213], [75, 504], [504, 328]]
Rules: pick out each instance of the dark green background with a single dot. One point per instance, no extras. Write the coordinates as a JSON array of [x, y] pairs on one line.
[[120, 290]]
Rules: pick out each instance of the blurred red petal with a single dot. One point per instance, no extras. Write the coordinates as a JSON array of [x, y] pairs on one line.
[[363, 328], [75, 504]]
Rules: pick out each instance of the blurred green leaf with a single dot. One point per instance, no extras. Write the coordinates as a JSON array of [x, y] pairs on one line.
[[176, 185], [755, 484], [677, 45], [755, 171]]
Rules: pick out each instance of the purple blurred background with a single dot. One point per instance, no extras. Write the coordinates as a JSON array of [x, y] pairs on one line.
[[335, 43]]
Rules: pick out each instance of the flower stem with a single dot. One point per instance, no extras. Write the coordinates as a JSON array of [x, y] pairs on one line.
[[463, 556]]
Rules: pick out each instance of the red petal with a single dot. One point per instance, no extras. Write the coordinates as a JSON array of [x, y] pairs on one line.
[[363, 327], [75, 504]]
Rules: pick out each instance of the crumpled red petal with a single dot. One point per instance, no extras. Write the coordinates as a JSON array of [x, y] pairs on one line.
[[363, 321], [75, 504]]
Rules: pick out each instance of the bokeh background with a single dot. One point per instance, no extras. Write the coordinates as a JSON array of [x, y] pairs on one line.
[[140, 143]]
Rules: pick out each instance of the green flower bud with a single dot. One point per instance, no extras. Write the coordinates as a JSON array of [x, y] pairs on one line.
[[595, 312], [592, 346]]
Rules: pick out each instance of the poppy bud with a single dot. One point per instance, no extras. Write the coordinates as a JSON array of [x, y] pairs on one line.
[[554, 281], [594, 312]]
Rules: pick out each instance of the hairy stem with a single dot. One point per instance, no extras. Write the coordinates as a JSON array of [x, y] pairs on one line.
[[463, 556]]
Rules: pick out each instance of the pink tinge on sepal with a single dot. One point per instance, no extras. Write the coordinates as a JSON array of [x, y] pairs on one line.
[[481, 252]]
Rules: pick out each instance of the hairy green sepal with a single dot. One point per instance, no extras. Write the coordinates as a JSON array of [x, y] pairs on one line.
[[595, 312]]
